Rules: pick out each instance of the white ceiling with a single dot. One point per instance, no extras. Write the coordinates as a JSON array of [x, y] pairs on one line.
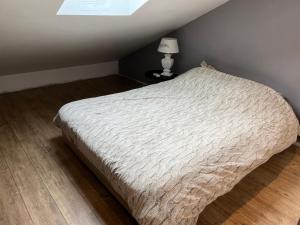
[[33, 37]]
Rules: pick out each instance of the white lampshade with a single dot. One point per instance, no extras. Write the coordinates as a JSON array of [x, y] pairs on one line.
[[168, 46]]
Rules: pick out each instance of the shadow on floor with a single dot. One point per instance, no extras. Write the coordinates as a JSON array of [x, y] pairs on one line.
[[108, 209], [220, 210], [112, 213]]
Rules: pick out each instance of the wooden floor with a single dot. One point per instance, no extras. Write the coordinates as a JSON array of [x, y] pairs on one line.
[[42, 182]]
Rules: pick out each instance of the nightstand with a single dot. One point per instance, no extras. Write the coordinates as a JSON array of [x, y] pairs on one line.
[[151, 79]]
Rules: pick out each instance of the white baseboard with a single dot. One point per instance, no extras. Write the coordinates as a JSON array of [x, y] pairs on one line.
[[17, 82]]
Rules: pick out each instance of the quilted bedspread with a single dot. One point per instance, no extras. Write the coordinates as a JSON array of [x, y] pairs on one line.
[[172, 148]]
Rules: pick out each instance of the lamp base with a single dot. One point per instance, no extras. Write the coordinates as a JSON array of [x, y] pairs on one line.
[[166, 74], [167, 64]]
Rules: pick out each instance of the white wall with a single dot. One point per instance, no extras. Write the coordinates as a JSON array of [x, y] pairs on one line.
[[16, 82]]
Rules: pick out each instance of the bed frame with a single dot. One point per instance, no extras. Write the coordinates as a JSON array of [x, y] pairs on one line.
[[99, 175]]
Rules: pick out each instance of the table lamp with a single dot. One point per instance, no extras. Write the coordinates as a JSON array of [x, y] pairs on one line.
[[168, 46]]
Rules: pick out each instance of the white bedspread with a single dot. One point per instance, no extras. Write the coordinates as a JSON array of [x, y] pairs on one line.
[[172, 148]]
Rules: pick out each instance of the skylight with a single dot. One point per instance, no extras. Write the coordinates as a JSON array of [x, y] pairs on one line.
[[100, 7]]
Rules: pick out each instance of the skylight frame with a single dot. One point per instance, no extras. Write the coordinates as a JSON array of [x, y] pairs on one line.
[[100, 7]]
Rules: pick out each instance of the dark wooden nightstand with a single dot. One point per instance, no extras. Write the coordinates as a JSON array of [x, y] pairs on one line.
[[151, 79]]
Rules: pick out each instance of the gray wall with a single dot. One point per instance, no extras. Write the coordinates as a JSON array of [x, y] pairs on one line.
[[255, 39]]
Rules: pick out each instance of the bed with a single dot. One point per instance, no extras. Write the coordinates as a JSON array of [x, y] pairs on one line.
[[168, 150]]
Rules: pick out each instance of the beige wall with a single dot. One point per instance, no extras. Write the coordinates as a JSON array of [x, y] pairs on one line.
[[33, 38], [35, 79]]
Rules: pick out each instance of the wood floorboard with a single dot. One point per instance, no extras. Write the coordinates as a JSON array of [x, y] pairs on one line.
[[43, 182], [265, 196], [39, 202], [12, 207], [76, 198]]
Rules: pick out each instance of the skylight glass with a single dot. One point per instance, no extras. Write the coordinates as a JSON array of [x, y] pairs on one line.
[[100, 7]]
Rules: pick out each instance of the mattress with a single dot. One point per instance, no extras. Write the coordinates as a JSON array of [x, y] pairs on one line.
[[170, 149]]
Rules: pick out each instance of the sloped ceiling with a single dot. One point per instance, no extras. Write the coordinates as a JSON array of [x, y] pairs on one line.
[[33, 37]]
